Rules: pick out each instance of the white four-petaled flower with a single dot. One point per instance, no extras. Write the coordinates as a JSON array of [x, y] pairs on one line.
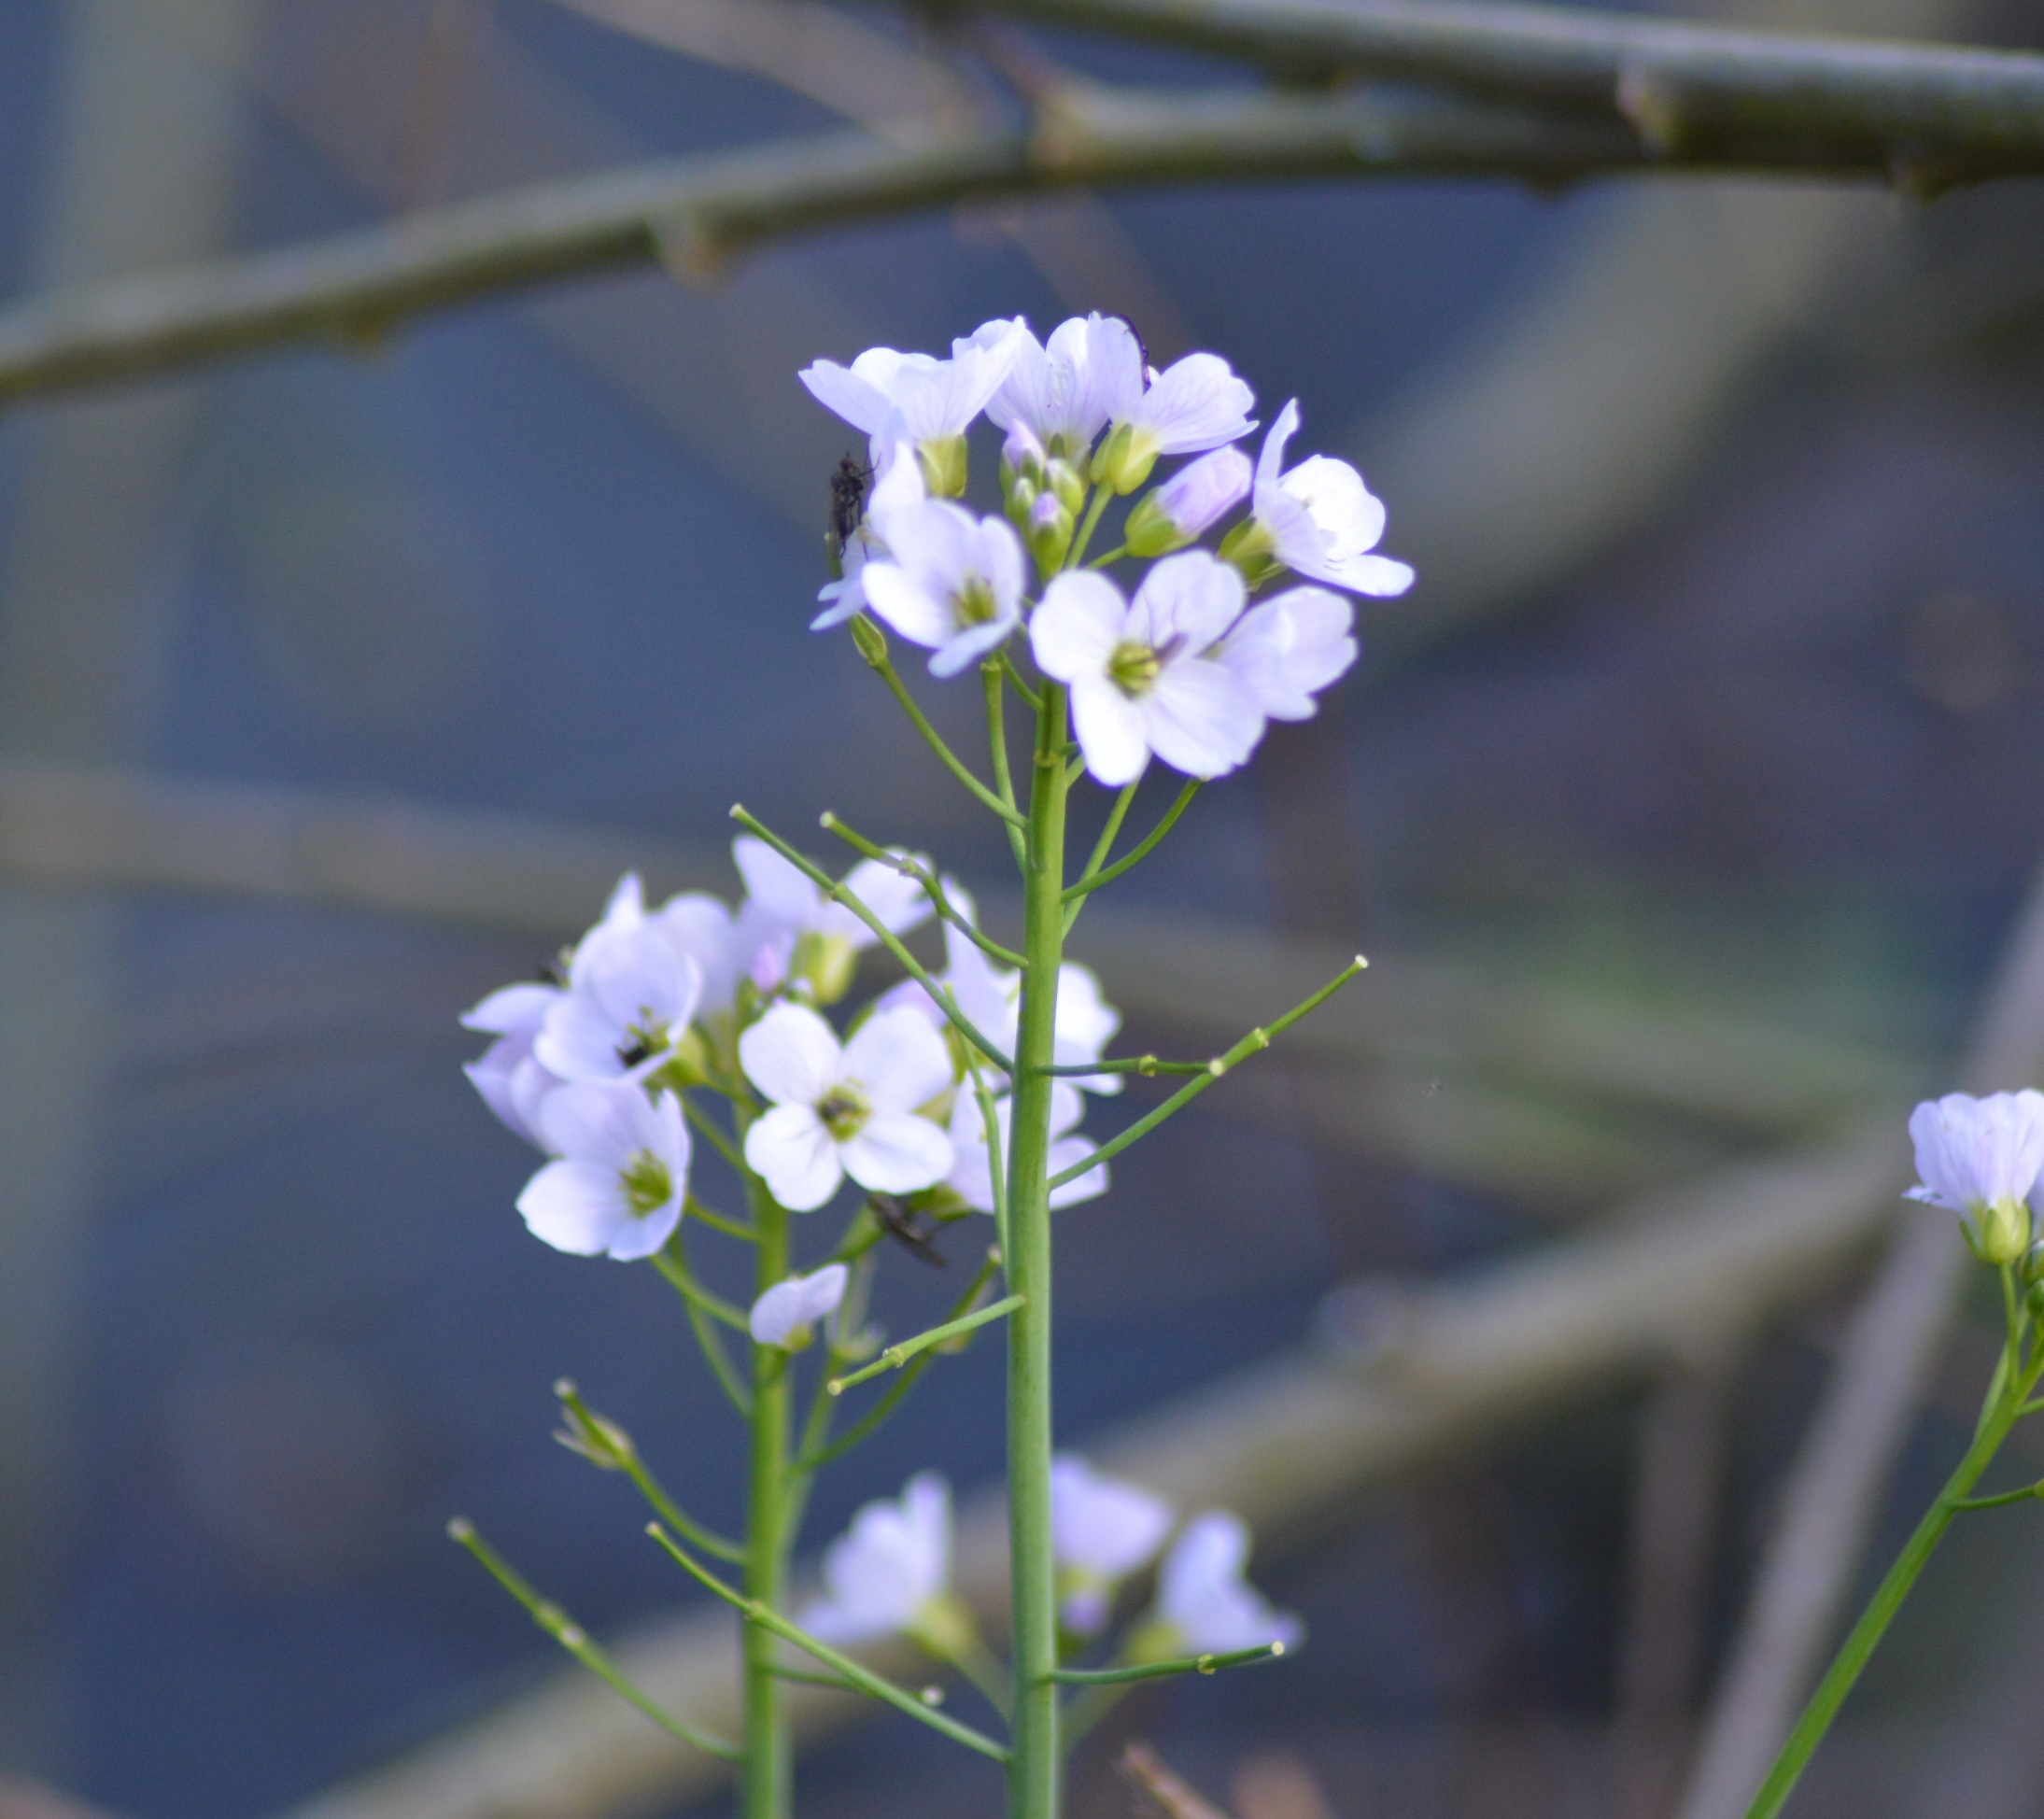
[[952, 583], [1062, 391], [845, 1109], [630, 998], [1982, 1158], [784, 1313], [1204, 1604], [887, 1574], [917, 400], [1319, 520], [1138, 685], [617, 1187], [1102, 1529]]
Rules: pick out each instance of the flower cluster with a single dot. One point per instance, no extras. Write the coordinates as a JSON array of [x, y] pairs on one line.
[[890, 1573], [1185, 668], [590, 1063]]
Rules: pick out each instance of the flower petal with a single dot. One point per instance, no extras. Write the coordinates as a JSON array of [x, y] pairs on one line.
[[792, 1152], [1201, 718], [897, 1152], [899, 1060], [574, 1206], [792, 1056], [861, 404], [1074, 629], [777, 887], [1112, 731]]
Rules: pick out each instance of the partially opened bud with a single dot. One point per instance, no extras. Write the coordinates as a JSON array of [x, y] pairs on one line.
[[1181, 510], [1062, 478], [1022, 455], [870, 641], [1049, 533]]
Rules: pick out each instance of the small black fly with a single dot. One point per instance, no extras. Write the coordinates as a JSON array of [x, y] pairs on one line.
[[849, 482], [629, 1054], [906, 1229]]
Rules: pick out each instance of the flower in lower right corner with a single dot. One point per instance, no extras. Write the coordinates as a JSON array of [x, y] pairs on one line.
[[1981, 1158], [1204, 1606]]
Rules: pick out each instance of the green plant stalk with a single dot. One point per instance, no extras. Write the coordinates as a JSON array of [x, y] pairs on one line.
[[2013, 1383], [768, 1787], [1032, 1771]]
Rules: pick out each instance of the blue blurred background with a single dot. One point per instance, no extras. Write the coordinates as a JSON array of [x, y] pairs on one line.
[[1720, 693]]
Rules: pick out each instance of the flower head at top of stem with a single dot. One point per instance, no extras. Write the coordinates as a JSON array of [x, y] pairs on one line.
[[845, 1108], [620, 1172], [1980, 1158]]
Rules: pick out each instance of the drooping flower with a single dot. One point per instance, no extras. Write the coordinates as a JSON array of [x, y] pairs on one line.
[[1204, 1606], [1982, 1158], [1195, 404], [952, 583], [1061, 392], [1288, 648], [617, 1187], [845, 1109], [1187, 505], [971, 1176], [1137, 685], [915, 398], [631, 996], [889, 1572], [784, 1313], [1102, 1529], [1319, 520], [513, 1084]]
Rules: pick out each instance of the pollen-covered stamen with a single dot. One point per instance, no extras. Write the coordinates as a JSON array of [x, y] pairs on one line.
[[1134, 668], [844, 1110], [647, 1181]]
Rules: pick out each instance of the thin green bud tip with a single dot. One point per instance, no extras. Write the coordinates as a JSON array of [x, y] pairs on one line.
[[564, 1387], [836, 1385], [827, 821], [932, 1696], [461, 1528]]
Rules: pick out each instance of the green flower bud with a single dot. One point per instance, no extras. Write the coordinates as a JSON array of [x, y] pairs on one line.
[[1253, 550], [870, 639], [1066, 480], [2032, 1268], [1150, 530], [1997, 1231], [1123, 462], [944, 461], [1022, 495], [602, 1442], [1049, 533], [826, 963]]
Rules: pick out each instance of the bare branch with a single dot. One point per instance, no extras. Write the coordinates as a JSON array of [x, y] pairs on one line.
[[1687, 87], [695, 212]]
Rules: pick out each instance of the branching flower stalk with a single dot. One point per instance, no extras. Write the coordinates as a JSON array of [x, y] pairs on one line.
[[1980, 1158], [960, 1091]]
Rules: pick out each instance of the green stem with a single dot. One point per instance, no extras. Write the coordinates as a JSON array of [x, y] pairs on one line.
[[1087, 524], [1095, 879], [933, 887], [996, 727], [950, 759], [1867, 1633], [1250, 1044], [895, 1356], [769, 1791], [1033, 1772]]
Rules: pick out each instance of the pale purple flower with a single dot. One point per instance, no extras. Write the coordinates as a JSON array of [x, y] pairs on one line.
[[1102, 1529], [1288, 648], [915, 398], [847, 1108], [1319, 520], [781, 896], [952, 583], [886, 1573], [1195, 404], [1981, 1158], [1203, 1601], [787, 1312], [631, 996], [1190, 504], [1137, 684], [618, 1186], [1061, 392]]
